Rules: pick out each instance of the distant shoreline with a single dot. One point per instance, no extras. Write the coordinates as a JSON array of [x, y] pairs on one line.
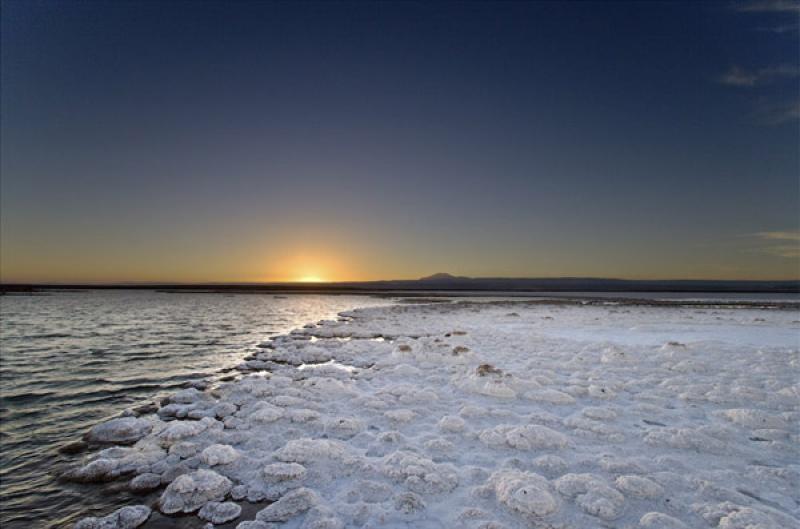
[[564, 297], [442, 284]]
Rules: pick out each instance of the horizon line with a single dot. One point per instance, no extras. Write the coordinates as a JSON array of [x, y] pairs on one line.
[[452, 279]]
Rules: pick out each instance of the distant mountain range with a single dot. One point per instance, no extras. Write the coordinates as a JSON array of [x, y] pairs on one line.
[[442, 281], [445, 281]]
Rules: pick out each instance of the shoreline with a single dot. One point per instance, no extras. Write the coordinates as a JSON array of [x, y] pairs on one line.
[[104, 368], [296, 390], [447, 285], [690, 299]]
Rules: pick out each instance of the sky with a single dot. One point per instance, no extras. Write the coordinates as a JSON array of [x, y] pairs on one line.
[[199, 141]]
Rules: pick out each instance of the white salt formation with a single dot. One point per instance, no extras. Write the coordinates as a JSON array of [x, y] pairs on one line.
[[189, 492], [218, 513], [120, 431], [493, 415], [125, 518]]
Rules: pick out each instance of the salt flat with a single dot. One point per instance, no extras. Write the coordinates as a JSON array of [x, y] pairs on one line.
[[485, 415]]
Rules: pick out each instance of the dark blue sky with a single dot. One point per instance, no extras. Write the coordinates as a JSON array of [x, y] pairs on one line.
[[251, 140]]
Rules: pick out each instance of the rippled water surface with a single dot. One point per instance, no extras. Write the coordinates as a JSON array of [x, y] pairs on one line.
[[72, 359]]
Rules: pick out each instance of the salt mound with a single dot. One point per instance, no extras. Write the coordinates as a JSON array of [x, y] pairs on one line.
[[219, 455], [452, 423], [218, 513], [145, 482], [728, 515], [658, 520], [756, 419], [120, 431], [592, 494], [684, 438], [190, 492], [344, 428], [639, 486], [527, 437], [420, 474], [266, 413], [178, 430], [289, 506], [525, 493], [309, 450], [125, 518], [283, 472]]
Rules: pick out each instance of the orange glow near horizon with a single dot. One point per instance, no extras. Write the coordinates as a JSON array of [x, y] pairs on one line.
[[307, 266], [326, 258], [310, 279]]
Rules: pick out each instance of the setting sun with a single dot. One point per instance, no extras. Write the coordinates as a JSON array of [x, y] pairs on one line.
[[302, 265], [310, 279]]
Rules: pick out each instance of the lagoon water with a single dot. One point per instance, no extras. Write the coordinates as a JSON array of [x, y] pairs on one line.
[[72, 359]]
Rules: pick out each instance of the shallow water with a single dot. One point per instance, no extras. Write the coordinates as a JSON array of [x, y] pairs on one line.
[[71, 359]]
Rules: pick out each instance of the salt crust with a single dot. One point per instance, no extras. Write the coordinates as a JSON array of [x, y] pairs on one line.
[[485, 415]]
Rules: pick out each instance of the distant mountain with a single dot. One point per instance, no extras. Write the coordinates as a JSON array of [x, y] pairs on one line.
[[443, 276], [448, 282]]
